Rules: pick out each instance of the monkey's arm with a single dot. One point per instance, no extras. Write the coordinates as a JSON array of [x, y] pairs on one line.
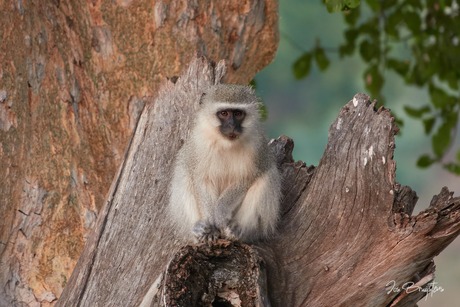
[[228, 203], [243, 211], [218, 220], [204, 229]]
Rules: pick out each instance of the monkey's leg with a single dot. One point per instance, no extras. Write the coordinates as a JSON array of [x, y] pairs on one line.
[[259, 212]]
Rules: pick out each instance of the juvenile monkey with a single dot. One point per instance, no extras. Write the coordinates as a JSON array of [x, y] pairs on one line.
[[226, 182]]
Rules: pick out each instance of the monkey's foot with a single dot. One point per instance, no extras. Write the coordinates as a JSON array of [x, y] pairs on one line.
[[205, 232]]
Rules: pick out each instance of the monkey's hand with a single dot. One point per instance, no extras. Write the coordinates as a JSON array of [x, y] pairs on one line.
[[233, 231], [205, 231]]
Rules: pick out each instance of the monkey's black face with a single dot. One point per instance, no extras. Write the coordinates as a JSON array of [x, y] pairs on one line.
[[230, 122]]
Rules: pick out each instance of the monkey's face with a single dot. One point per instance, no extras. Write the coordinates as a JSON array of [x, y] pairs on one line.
[[228, 117], [231, 121]]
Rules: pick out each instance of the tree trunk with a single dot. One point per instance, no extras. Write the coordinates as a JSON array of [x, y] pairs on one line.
[[346, 237], [74, 77]]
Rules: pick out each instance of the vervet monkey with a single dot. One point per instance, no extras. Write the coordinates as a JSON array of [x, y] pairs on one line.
[[226, 182]]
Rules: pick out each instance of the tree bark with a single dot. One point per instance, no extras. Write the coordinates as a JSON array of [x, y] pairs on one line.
[[75, 76], [347, 232], [221, 274], [346, 237]]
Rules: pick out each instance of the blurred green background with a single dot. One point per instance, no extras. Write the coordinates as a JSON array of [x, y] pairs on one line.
[[304, 110]]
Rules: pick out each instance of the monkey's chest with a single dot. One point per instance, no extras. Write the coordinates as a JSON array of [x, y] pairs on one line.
[[223, 174]]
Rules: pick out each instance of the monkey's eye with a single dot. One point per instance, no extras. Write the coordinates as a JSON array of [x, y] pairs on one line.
[[238, 114], [222, 114]]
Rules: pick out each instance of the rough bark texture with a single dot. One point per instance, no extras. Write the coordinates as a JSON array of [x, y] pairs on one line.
[[346, 233], [221, 274], [350, 233], [74, 77], [133, 233]]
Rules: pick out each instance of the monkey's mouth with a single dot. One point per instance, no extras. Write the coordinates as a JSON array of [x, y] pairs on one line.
[[233, 136], [230, 134]]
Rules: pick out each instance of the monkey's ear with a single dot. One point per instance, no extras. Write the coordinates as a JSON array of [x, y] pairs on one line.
[[202, 97]]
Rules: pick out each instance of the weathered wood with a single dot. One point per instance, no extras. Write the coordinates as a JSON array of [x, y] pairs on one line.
[[346, 232], [133, 234], [349, 234], [74, 77]]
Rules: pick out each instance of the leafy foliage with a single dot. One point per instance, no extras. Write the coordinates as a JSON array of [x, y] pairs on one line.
[[302, 65], [419, 40], [340, 5]]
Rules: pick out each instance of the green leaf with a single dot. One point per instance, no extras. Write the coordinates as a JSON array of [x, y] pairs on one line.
[[301, 66], [392, 24], [340, 5], [424, 161], [374, 80], [439, 97], [369, 27], [414, 3], [388, 4], [350, 40], [417, 75], [368, 50], [374, 5], [441, 139], [321, 59], [452, 167], [428, 124], [416, 113], [401, 67], [352, 16], [452, 79], [413, 21], [253, 83], [334, 5], [347, 49], [352, 3], [351, 34]]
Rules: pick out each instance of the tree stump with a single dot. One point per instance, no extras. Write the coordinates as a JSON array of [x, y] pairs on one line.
[[221, 274], [346, 237]]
